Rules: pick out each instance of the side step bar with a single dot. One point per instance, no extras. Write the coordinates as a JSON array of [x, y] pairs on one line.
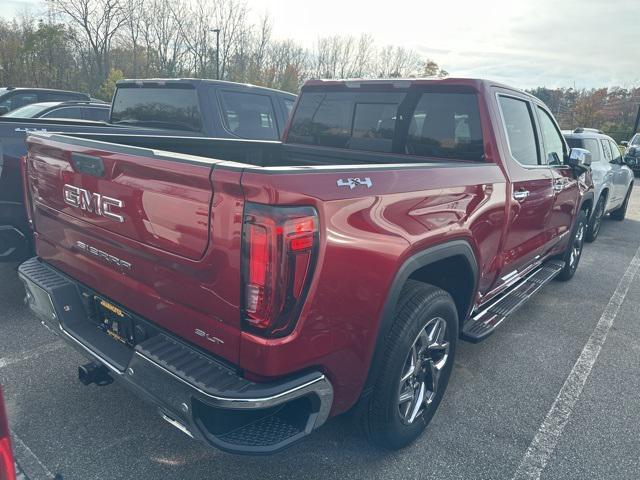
[[484, 321]]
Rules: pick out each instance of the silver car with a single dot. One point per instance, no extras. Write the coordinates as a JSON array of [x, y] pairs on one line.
[[612, 178]]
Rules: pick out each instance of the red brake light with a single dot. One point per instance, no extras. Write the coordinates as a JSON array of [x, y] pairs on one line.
[[279, 250], [7, 471]]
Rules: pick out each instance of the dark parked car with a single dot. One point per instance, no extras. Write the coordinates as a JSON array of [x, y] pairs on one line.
[[158, 107], [12, 97], [97, 112], [632, 153]]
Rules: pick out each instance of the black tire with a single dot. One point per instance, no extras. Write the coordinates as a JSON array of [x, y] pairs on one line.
[[573, 253], [621, 212], [596, 220], [421, 309]]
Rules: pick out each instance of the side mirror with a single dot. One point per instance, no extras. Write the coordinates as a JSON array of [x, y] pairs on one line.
[[624, 144], [4, 110], [579, 159]]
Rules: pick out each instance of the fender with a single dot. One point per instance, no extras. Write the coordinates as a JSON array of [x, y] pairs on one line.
[[584, 198], [415, 262]]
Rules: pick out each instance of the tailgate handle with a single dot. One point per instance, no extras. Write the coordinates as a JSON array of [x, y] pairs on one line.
[[87, 164]]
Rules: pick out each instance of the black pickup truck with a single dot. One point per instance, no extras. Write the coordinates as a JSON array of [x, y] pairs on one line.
[[177, 107]]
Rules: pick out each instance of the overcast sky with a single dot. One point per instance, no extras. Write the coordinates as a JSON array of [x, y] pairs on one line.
[[525, 43]]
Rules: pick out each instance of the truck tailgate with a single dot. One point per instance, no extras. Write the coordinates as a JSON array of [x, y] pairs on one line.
[[137, 227]]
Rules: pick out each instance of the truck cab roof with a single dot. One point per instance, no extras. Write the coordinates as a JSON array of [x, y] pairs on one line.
[[131, 82]]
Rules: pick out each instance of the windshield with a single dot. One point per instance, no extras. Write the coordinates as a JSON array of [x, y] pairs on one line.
[[635, 141], [28, 111], [174, 106]]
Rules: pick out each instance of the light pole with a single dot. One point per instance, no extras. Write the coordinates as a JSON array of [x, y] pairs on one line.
[[217, 32]]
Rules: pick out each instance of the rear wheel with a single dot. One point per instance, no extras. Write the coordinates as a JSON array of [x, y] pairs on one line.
[[596, 220], [416, 368], [621, 212], [573, 253]]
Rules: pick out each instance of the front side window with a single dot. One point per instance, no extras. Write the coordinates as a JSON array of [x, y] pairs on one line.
[[551, 138], [249, 115], [520, 130]]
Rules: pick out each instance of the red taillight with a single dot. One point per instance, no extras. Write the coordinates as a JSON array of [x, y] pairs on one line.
[[279, 250], [7, 471]]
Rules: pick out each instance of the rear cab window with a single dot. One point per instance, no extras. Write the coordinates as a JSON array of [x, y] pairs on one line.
[[173, 105], [442, 123]]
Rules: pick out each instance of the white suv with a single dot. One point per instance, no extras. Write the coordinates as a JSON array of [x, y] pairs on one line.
[[612, 178]]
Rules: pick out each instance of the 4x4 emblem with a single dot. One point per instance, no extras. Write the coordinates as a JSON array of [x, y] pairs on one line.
[[355, 182]]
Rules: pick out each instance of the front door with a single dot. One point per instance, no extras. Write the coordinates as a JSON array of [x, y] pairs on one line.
[[565, 185]]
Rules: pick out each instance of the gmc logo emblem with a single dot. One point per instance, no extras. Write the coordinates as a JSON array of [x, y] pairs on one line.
[[92, 202]]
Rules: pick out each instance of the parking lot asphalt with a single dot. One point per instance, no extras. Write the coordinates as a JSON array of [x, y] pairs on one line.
[[506, 407]]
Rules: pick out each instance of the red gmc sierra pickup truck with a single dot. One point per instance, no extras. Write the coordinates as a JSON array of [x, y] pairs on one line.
[[252, 289]]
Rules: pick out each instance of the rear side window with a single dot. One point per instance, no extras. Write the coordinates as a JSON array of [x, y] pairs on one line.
[[249, 115], [590, 144], [66, 112], [446, 126], [427, 124], [520, 130], [172, 106]]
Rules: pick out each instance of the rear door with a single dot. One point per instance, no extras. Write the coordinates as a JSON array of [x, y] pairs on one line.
[[532, 196], [566, 192]]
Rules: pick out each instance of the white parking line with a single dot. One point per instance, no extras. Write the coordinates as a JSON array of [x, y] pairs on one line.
[[29, 354], [26, 458], [544, 443]]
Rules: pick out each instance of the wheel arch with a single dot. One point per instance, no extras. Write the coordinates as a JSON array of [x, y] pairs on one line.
[[420, 266]]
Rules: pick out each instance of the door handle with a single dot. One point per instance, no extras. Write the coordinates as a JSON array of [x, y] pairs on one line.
[[520, 195]]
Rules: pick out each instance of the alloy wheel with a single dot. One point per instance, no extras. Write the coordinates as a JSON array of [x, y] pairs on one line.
[[421, 372], [576, 247], [597, 221]]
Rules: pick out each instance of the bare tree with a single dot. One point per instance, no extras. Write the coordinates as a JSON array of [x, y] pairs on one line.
[[98, 21], [133, 11], [162, 32]]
